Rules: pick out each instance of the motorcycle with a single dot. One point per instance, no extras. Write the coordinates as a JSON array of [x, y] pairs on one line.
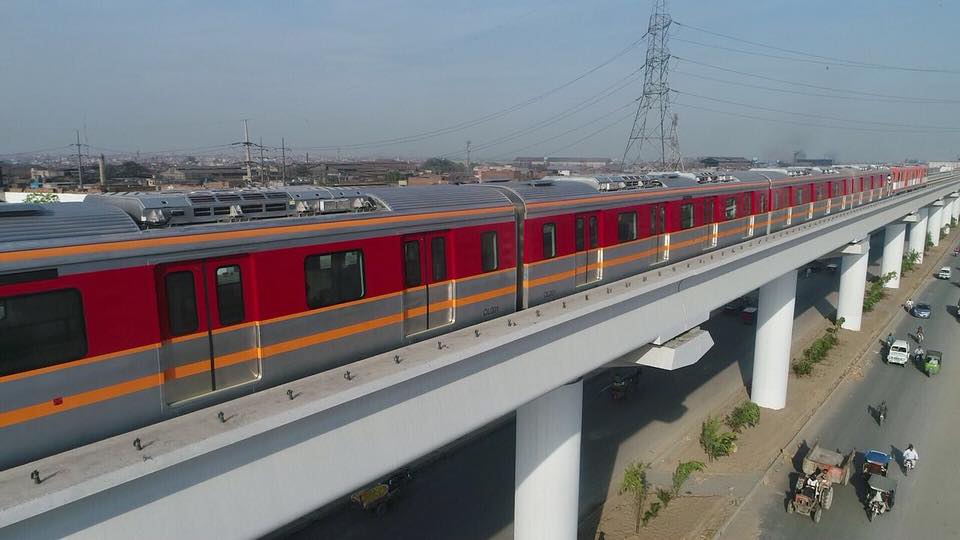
[[909, 465], [876, 508], [881, 413]]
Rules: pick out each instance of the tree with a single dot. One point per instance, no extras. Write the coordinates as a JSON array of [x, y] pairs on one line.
[[635, 483], [394, 176], [41, 198], [442, 165], [129, 169]]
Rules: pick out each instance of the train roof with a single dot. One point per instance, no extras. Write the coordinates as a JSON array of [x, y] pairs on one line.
[[31, 222]]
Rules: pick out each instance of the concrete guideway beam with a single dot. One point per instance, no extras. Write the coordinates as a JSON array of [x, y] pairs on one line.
[[893, 238], [771, 354], [277, 459], [918, 233], [547, 481], [853, 283]]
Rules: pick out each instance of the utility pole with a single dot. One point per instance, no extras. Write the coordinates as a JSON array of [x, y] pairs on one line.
[[283, 162], [79, 160], [469, 170], [246, 148], [262, 180], [654, 103]]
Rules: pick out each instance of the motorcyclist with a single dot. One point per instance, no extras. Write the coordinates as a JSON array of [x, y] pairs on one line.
[[919, 334], [908, 304], [910, 455], [882, 410], [919, 353], [877, 497]]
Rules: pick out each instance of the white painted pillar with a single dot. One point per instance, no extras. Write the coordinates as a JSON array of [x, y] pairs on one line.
[[918, 233], [955, 210], [934, 223], [853, 282], [893, 235], [547, 482], [771, 354]]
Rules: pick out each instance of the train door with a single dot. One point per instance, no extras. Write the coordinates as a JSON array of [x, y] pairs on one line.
[[710, 225], [587, 256], [659, 231], [208, 340], [428, 297]]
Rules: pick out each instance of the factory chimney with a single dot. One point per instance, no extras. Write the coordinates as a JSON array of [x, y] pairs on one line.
[[103, 171]]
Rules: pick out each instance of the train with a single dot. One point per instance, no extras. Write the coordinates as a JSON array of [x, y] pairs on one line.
[[130, 308]]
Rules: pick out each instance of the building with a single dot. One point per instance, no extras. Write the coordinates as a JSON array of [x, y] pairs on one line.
[[362, 172], [579, 164], [726, 162], [200, 175], [814, 162]]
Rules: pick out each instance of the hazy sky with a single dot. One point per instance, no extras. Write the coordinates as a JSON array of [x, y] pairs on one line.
[[182, 74]]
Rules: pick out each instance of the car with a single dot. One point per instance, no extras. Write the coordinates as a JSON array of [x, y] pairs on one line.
[[899, 353], [921, 310], [735, 305], [944, 273]]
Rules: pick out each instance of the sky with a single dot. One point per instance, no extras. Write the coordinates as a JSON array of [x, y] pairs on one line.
[[349, 77]]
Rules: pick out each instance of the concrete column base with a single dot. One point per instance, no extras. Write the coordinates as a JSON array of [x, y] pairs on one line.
[[893, 236], [547, 481]]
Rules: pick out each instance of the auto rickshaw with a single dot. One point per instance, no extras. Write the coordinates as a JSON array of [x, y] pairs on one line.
[[880, 495], [875, 463], [931, 362]]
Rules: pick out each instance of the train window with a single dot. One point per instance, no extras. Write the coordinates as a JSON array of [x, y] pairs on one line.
[[627, 226], [686, 215], [578, 234], [592, 231], [438, 258], [653, 220], [549, 232], [411, 263], [333, 278], [798, 195], [181, 303], [708, 205], [763, 203], [747, 202], [229, 295], [730, 208], [488, 251], [819, 192], [39, 330]]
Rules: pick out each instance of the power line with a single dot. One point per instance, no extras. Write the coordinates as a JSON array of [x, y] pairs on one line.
[[481, 119], [584, 104], [516, 151], [943, 129], [819, 87], [780, 57], [590, 135], [797, 92], [858, 63], [799, 123], [41, 151]]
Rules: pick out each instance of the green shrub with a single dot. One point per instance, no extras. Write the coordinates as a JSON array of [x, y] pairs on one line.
[[38, 197], [665, 496], [745, 415], [910, 261], [682, 472], [928, 244], [650, 514], [802, 367], [715, 443], [635, 483]]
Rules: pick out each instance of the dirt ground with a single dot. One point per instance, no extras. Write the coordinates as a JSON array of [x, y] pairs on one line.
[[710, 498]]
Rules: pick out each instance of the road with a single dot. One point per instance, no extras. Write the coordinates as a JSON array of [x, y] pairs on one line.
[[922, 411], [468, 493]]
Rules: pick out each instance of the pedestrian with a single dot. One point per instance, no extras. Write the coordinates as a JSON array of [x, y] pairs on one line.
[[889, 339]]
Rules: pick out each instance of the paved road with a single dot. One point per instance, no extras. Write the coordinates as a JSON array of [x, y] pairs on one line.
[[922, 411], [468, 493]]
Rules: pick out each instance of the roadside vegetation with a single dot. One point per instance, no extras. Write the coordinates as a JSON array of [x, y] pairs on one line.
[[41, 198], [928, 243], [875, 291], [716, 443], [745, 415], [818, 350], [910, 261], [636, 484]]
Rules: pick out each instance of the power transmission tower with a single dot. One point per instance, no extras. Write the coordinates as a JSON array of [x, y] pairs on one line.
[[246, 148], [79, 160], [262, 179], [653, 110], [469, 170], [283, 162], [676, 160]]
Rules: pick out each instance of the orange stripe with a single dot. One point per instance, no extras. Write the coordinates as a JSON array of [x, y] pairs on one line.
[[124, 245], [47, 408]]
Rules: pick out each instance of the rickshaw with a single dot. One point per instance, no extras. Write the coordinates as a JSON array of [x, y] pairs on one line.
[[875, 463], [931, 362], [376, 497], [880, 496]]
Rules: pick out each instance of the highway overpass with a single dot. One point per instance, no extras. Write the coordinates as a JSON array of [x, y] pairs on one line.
[[276, 455]]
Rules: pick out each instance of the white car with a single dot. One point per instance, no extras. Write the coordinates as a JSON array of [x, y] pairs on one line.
[[944, 273], [899, 353]]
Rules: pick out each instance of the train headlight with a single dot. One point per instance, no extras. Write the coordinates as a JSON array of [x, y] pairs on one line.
[[154, 216]]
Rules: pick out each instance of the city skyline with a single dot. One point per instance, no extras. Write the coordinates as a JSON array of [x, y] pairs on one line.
[[337, 75]]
